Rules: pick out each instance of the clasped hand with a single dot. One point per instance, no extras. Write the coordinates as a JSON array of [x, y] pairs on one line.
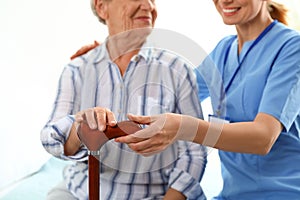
[[96, 118]]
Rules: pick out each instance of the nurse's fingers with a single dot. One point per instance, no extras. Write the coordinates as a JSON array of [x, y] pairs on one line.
[[141, 119]]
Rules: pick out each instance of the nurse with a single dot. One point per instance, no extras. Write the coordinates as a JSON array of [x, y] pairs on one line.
[[258, 93]]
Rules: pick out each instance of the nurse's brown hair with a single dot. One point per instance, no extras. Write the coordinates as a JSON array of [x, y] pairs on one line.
[[278, 11]]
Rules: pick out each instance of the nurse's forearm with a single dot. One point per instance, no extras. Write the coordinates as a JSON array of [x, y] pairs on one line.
[[255, 137]]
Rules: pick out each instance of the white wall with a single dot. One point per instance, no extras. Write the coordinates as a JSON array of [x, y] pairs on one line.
[[37, 39]]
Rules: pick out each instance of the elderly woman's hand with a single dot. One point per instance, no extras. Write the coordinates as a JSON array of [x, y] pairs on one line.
[[96, 117]]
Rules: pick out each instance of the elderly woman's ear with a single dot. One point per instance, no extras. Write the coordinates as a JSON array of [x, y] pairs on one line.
[[101, 9]]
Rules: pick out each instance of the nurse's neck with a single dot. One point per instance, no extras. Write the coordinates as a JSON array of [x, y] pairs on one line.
[[251, 30]]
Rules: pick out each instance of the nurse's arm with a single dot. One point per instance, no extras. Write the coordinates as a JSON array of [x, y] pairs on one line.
[[256, 137]]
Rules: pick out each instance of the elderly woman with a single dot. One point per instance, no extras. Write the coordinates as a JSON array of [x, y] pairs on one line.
[[125, 75]]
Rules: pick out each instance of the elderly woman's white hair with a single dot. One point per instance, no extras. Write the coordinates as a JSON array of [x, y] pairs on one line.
[[95, 12]]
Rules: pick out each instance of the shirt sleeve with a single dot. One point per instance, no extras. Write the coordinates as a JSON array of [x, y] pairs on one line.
[[206, 74], [56, 131], [185, 177], [281, 96], [210, 73]]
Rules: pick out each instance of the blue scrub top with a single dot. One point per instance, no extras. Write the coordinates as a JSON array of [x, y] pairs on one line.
[[269, 82]]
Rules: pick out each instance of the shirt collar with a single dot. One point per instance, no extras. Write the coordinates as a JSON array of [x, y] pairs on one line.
[[145, 52], [101, 52]]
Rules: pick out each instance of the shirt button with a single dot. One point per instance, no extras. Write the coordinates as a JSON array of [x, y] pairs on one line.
[[135, 58]]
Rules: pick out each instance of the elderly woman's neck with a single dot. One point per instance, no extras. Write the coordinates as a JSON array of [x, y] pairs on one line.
[[121, 50], [126, 42]]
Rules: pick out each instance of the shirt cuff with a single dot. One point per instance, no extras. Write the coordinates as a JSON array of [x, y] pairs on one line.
[[186, 184], [61, 133], [82, 153]]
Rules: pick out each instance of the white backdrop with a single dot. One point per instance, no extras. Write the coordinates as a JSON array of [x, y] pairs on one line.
[[37, 39]]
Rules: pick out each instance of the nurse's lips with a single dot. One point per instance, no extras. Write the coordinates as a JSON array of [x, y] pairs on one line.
[[230, 11]]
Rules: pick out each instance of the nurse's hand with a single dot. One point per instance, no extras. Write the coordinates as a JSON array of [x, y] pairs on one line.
[[163, 130], [85, 49]]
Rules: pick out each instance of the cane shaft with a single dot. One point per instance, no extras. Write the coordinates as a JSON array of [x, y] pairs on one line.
[[94, 182]]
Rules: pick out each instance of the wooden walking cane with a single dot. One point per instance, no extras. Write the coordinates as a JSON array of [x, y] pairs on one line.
[[94, 140]]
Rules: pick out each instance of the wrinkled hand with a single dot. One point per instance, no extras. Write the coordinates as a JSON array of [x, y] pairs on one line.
[[163, 130], [96, 118], [84, 49]]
